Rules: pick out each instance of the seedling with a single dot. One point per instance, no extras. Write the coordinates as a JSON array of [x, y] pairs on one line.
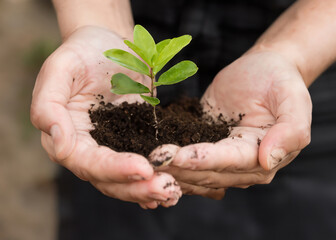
[[156, 56]]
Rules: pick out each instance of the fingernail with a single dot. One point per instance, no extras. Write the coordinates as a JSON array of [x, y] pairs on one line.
[[56, 135], [136, 177], [275, 158], [163, 155]]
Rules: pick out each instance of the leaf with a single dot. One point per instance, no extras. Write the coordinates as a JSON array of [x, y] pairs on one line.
[[122, 84], [144, 41], [172, 48], [159, 47], [136, 49], [127, 60], [177, 73], [151, 100]]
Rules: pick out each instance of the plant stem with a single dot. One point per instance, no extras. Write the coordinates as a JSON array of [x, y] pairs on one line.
[[154, 109], [156, 124]]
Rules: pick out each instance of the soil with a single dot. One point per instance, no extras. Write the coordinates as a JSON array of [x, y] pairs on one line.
[[130, 127]]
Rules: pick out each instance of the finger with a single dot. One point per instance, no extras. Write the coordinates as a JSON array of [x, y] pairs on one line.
[[150, 205], [189, 189], [242, 186], [143, 206], [211, 179], [161, 188], [291, 132], [48, 109], [91, 162], [155, 204], [235, 154], [163, 155]]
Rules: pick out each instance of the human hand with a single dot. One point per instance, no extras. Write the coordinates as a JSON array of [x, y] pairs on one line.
[[66, 87], [271, 93]]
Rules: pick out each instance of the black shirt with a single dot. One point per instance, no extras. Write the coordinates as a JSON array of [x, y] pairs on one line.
[[300, 203]]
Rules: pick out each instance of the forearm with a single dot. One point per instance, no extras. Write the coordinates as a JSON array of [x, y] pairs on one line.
[[306, 35], [115, 15]]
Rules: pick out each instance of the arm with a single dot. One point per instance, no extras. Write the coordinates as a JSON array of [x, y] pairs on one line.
[[115, 15], [269, 84], [306, 35]]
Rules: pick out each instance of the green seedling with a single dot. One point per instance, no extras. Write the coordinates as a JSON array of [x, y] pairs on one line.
[[154, 56]]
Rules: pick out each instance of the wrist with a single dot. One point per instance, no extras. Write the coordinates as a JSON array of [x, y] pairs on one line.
[[288, 51], [305, 35], [114, 15]]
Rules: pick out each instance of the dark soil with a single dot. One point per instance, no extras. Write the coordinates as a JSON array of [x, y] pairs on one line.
[[130, 127]]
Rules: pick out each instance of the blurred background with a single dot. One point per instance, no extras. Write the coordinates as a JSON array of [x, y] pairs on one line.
[[28, 34], [28, 194]]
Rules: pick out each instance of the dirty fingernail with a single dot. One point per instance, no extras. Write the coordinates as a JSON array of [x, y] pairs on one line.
[[163, 155], [275, 158]]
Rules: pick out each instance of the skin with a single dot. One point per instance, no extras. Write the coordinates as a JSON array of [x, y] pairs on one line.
[[68, 83], [265, 91], [268, 83]]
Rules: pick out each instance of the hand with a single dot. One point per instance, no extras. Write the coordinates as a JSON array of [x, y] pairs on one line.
[[68, 83], [271, 94]]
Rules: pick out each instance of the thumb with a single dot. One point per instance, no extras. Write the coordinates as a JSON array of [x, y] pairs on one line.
[[48, 109], [291, 132]]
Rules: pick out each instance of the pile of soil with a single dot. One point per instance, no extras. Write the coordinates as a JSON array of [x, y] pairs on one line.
[[130, 127]]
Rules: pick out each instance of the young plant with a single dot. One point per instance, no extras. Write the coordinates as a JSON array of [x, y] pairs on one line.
[[156, 56]]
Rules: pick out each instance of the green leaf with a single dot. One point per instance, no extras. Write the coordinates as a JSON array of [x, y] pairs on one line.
[[169, 51], [122, 84], [136, 49], [144, 41], [151, 100], [127, 60], [177, 73], [159, 47]]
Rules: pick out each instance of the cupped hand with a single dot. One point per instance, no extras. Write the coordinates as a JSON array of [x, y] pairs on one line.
[[269, 95], [71, 80]]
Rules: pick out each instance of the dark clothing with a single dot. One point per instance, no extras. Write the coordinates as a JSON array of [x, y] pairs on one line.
[[299, 204]]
